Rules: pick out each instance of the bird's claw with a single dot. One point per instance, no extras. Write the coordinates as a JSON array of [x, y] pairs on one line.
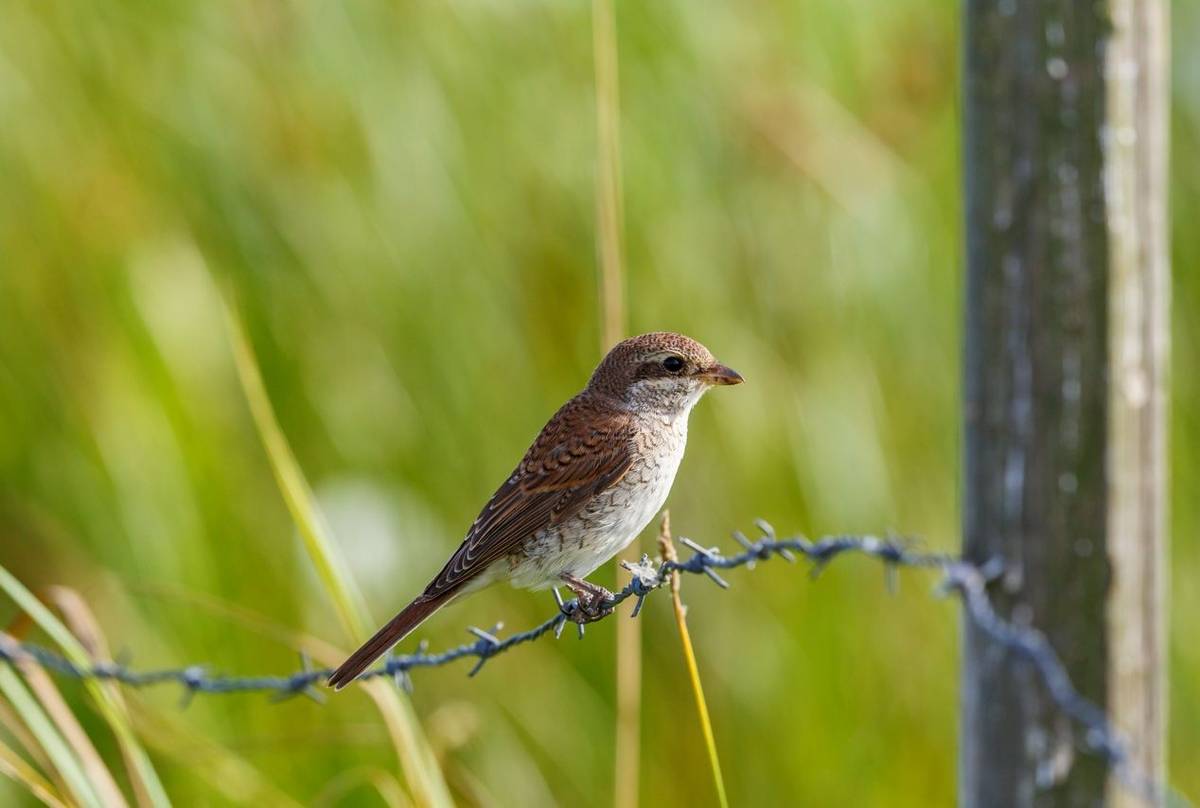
[[590, 608], [592, 602]]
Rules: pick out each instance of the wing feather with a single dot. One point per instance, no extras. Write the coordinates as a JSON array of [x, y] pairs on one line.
[[580, 452]]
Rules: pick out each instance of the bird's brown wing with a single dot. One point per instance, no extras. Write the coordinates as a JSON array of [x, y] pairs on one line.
[[584, 449], [580, 452]]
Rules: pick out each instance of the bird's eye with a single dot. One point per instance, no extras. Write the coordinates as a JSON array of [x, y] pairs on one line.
[[673, 364]]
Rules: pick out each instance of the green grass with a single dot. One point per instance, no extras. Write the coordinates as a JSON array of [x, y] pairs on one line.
[[107, 704], [401, 199], [416, 759]]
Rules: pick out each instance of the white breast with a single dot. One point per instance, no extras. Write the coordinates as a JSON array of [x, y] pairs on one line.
[[613, 520]]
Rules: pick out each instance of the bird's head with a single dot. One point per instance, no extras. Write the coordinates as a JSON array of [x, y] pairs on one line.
[[662, 372]]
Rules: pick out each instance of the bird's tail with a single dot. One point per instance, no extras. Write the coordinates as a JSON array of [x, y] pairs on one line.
[[393, 632]]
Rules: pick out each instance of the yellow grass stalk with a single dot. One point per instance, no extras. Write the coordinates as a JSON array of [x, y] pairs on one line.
[[417, 761], [20, 733], [14, 766], [667, 549], [78, 618], [141, 770], [66, 764], [74, 735], [612, 315]]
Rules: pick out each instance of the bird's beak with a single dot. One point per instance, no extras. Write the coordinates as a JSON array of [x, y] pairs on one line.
[[719, 374]]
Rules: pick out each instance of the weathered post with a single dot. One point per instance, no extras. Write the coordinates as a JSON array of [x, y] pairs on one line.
[[1065, 108]]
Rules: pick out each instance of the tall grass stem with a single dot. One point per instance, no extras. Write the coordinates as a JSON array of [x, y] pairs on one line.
[[417, 760], [609, 226], [667, 548]]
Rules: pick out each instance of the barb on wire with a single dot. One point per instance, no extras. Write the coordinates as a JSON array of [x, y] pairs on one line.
[[962, 578]]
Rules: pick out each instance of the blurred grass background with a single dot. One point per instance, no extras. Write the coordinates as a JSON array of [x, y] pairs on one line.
[[401, 198]]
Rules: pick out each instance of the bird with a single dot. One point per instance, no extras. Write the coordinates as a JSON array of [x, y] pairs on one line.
[[595, 476]]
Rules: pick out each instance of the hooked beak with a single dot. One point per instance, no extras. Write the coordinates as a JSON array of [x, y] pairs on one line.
[[719, 374]]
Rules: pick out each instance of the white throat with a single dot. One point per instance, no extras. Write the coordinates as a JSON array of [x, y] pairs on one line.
[[666, 400]]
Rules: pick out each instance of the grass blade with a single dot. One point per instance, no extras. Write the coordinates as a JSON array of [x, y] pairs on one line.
[[75, 737], [20, 733], [141, 768], [17, 768], [330, 565], [689, 657], [83, 625], [627, 751], [608, 173], [42, 728], [416, 758]]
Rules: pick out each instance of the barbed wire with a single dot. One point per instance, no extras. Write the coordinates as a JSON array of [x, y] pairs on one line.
[[959, 577]]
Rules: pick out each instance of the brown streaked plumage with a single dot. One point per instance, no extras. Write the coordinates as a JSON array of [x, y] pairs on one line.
[[594, 477]]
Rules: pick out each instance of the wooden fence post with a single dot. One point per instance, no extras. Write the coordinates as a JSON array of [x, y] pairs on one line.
[[1065, 109]]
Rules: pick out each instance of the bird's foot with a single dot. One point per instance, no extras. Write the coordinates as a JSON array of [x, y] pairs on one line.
[[592, 601]]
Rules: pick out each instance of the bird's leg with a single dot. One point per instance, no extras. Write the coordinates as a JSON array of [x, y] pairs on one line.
[[591, 599]]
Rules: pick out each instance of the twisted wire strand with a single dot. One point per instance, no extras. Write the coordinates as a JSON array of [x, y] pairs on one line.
[[959, 577]]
